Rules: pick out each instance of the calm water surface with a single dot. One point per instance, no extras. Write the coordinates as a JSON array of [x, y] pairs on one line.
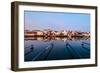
[[39, 49]]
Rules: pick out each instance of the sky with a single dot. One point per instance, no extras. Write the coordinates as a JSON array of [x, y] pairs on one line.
[[35, 20]]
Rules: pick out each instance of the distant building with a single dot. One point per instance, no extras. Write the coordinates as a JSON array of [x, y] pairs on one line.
[[51, 33], [64, 32], [87, 34], [38, 32]]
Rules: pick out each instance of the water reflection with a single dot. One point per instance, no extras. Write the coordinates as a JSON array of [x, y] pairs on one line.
[[56, 48], [56, 38]]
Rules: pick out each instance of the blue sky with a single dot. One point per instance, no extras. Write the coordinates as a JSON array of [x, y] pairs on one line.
[[57, 21]]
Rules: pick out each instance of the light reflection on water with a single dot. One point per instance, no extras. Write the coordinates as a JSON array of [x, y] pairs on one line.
[[56, 48]]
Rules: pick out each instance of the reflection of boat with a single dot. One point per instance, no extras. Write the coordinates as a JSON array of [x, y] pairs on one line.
[[72, 51], [44, 54], [85, 45], [75, 52], [31, 49], [53, 50]]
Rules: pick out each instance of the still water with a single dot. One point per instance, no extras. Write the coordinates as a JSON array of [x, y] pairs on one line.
[[42, 49]]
